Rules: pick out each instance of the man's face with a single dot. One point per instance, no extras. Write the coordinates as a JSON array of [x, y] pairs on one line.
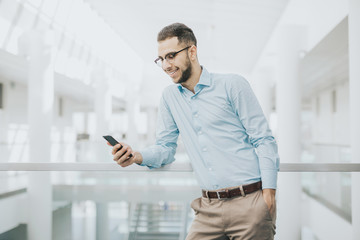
[[180, 68]]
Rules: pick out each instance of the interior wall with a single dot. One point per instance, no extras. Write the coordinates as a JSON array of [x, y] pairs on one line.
[[331, 115]]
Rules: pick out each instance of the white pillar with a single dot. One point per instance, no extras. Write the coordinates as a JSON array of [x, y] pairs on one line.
[[103, 111], [288, 111], [354, 84], [3, 138], [40, 111], [262, 83], [102, 221]]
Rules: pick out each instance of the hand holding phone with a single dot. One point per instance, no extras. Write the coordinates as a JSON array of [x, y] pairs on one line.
[[113, 142]]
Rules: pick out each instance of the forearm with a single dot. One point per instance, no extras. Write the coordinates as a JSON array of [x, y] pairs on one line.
[[138, 158]]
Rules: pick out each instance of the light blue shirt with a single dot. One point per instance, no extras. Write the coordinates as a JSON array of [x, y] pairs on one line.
[[224, 131]]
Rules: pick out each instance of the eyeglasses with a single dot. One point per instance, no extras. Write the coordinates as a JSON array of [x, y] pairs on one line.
[[168, 57]]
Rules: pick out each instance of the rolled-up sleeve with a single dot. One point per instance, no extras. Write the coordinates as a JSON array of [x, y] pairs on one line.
[[167, 133], [251, 116]]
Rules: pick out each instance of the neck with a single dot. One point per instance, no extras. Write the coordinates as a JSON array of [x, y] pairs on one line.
[[194, 79]]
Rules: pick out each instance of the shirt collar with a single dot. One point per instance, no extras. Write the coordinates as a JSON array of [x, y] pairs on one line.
[[205, 80]]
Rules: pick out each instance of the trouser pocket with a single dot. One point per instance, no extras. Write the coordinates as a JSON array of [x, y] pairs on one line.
[[195, 205]]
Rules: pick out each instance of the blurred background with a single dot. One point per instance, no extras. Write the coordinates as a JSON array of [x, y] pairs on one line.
[[72, 71]]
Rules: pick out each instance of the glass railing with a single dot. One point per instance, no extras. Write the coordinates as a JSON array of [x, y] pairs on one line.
[[155, 204], [331, 189], [137, 203]]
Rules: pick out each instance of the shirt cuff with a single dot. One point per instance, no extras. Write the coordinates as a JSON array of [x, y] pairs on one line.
[[269, 179], [147, 158]]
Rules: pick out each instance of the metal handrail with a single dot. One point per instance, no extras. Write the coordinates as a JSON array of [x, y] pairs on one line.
[[176, 167]]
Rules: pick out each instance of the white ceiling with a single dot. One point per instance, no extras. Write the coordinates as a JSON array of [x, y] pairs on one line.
[[231, 33]]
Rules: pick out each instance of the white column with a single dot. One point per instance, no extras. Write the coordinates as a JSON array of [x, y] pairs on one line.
[[3, 138], [262, 83], [354, 84], [288, 111], [102, 221], [103, 111], [40, 111]]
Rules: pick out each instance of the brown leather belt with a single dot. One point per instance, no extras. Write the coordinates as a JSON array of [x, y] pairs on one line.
[[234, 192]]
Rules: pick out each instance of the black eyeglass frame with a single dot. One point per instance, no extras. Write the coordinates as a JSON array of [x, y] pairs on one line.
[[160, 60]]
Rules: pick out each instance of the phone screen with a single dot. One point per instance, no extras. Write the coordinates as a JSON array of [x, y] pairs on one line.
[[113, 142]]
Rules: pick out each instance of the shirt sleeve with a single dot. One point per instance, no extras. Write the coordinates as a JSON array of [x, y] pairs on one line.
[[252, 117], [167, 133]]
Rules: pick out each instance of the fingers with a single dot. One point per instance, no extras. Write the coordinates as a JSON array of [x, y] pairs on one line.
[[116, 148], [128, 161], [122, 155]]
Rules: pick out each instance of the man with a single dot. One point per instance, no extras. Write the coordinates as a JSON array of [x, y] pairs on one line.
[[227, 138]]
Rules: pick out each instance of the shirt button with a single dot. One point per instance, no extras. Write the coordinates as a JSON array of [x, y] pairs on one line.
[[210, 169], [196, 115], [204, 149], [200, 132]]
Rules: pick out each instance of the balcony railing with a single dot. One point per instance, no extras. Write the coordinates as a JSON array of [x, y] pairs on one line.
[[82, 185], [177, 167]]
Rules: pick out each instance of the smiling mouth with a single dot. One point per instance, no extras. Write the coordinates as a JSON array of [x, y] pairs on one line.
[[172, 73]]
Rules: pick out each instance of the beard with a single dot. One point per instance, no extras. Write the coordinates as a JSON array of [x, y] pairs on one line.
[[186, 74]]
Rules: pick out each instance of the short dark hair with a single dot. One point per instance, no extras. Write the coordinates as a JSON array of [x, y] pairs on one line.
[[179, 30]]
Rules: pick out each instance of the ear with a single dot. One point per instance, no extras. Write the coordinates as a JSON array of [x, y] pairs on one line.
[[193, 52]]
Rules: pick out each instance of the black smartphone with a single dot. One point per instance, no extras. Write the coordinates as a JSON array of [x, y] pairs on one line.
[[113, 142]]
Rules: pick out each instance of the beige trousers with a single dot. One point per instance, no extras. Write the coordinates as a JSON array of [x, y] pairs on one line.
[[238, 218]]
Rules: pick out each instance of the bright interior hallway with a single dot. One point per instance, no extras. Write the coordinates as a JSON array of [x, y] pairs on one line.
[[72, 71]]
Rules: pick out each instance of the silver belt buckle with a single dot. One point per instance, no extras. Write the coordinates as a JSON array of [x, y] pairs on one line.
[[207, 194], [218, 193], [242, 191]]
